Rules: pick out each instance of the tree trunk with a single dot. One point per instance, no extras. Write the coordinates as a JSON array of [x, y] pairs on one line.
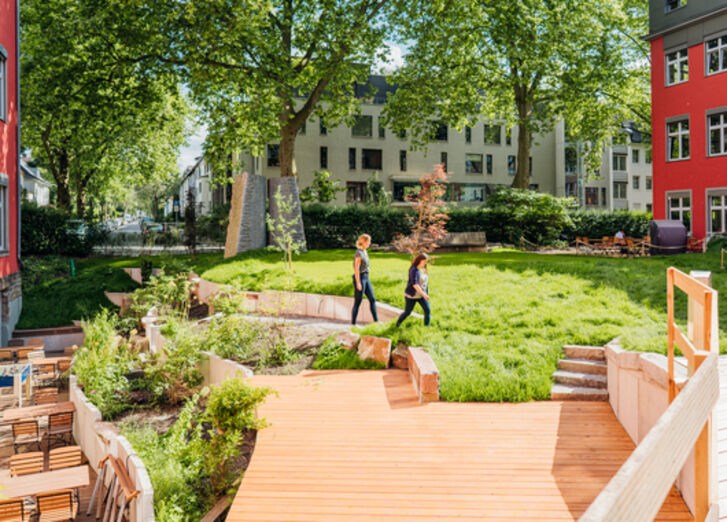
[[80, 202], [522, 173], [63, 199], [62, 178], [286, 153]]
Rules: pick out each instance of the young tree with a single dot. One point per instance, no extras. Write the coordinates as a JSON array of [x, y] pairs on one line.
[[283, 228], [527, 63], [89, 117], [323, 189], [429, 222], [190, 223], [376, 194]]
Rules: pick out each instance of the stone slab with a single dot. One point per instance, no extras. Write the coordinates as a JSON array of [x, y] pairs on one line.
[[348, 340], [376, 348], [424, 374], [400, 357]]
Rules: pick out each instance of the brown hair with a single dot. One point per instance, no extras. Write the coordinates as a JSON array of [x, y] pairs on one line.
[[361, 239], [418, 259]]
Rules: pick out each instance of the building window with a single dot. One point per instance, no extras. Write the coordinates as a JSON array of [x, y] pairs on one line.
[[4, 242], [718, 212], [636, 182], [401, 134], [717, 133], [592, 196], [473, 163], [371, 159], [717, 55], [634, 155], [467, 135], [647, 157], [648, 182], [273, 155], [403, 188], [440, 131], [302, 128], [603, 196], [3, 87], [619, 190], [511, 165], [465, 192], [492, 134], [352, 158], [362, 126], [402, 160], [679, 208], [677, 67], [489, 163], [355, 192], [670, 5], [530, 166], [382, 129], [324, 158], [534, 187], [322, 130], [508, 136], [677, 140], [619, 162], [443, 160], [649, 208], [571, 160]]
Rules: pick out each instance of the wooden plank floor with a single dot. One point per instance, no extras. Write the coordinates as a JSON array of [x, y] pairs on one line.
[[358, 446]]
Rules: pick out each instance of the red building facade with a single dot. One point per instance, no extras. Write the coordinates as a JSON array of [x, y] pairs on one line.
[[689, 113], [10, 286]]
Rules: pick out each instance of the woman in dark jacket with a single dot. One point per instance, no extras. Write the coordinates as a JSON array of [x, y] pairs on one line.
[[361, 282], [417, 289]]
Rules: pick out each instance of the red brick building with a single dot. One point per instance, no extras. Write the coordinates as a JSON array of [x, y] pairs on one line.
[[689, 112], [10, 288]]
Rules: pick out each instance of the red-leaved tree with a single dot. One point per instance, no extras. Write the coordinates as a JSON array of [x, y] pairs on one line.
[[428, 224]]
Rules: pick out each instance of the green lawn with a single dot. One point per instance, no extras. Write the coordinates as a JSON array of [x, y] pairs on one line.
[[499, 319]]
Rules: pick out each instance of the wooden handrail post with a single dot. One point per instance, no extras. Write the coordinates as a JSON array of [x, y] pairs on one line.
[[670, 332]]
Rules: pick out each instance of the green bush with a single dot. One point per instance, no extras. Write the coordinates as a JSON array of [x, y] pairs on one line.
[[333, 356], [47, 231], [338, 227], [213, 226], [596, 224]]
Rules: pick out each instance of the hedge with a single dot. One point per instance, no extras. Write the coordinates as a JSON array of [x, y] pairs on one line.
[[542, 220], [47, 231]]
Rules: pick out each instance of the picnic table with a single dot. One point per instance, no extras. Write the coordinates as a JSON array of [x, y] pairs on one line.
[[46, 482], [39, 361], [16, 375], [30, 412]]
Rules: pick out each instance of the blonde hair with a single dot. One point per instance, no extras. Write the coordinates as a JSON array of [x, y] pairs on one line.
[[362, 239]]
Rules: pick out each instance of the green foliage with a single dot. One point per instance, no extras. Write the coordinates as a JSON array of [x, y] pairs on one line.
[[190, 223], [596, 224], [146, 270], [213, 226], [376, 193], [283, 227], [333, 356], [37, 270], [48, 231], [232, 406], [323, 189], [102, 364], [169, 294]]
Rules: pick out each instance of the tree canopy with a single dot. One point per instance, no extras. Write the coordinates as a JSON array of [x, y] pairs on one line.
[[528, 64], [90, 116]]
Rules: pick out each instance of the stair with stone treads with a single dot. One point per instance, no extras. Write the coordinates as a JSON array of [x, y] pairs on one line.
[[581, 376]]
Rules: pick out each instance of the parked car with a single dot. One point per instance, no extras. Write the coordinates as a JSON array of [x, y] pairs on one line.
[[151, 226], [77, 227]]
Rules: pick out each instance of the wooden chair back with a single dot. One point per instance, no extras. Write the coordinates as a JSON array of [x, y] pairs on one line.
[[46, 369], [64, 366], [7, 354], [60, 422], [23, 352], [66, 457], [46, 396], [56, 506], [16, 342], [12, 511], [26, 463], [35, 355], [25, 428], [35, 341], [70, 351]]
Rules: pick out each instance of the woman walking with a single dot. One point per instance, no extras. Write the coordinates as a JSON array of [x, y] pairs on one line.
[[361, 281], [417, 290]]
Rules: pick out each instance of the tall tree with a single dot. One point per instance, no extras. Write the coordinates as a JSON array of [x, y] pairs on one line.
[[89, 116], [528, 63]]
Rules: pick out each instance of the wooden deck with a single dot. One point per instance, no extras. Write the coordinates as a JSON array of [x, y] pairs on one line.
[[357, 445]]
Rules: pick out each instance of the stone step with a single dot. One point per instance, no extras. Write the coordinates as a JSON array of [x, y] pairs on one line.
[[588, 380], [573, 351], [584, 365], [562, 392]]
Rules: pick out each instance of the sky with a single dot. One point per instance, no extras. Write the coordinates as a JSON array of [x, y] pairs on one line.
[[193, 149]]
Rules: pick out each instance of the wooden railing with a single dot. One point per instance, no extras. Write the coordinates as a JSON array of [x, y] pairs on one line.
[[639, 488]]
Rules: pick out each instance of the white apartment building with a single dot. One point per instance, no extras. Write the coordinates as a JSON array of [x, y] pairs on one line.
[[478, 159]]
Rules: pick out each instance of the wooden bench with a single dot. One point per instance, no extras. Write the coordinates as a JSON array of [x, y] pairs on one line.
[[463, 242]]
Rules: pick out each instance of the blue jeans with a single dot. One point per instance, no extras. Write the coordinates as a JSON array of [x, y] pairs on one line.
[[409, 308], [366, 289]]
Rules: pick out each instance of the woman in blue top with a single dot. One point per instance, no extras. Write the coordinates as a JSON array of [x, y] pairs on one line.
[[361, 281], [417, 289]]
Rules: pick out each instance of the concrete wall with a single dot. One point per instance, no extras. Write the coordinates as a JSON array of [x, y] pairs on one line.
[[54, 339], [638, 393], [98, 439], [215, 369]]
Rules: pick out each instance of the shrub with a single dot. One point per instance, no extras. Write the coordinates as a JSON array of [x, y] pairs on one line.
[[213, 226], [38, 270], [596, 224], [169, 294], [333, 356], [323, 189], [47, 231]]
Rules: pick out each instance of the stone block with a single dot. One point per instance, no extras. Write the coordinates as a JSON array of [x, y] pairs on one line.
[[376, 348], [424, 374], [348, 340], [400, 357]]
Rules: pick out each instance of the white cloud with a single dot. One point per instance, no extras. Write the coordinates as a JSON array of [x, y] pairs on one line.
[[395, 60]]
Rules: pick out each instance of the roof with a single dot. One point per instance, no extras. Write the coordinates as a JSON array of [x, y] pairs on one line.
[[32, 172]]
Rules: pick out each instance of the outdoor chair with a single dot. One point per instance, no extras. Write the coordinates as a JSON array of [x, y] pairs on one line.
[[46, 396], [16, 342], [26, 463], [13, 511], [35, 341], [60, 427], [23, 352], [7, 354], [25, 433], [66, 457], [63, 371], [35, 355], [44, 374], [70, 351], [57, 506]]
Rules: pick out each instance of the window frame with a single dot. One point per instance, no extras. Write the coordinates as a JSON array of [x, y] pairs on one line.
[[468, 135], [511, 159], [616, 193], [620, 156], [720, 50], [591, 190], [681, 194], [709, 194], [4, 116], [680, 133], [722, 112], [635, 156], [444, 160], [440, 129], [4, 215], [355, 187], [382, 129], [488, 126], [323, 157], [276, 148], [468, 163], [681, 3], [361, 117], [352, 158], [677, 61], [636, 183], [402, 161], [489, 164], [366, 157], [649, 184]]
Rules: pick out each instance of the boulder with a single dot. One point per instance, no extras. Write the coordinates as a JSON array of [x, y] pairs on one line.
[[376, 348], [348, 340], [400, 356]]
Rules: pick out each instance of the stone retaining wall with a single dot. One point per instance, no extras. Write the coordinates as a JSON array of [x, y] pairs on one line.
[[98, 439], [638, 394]]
